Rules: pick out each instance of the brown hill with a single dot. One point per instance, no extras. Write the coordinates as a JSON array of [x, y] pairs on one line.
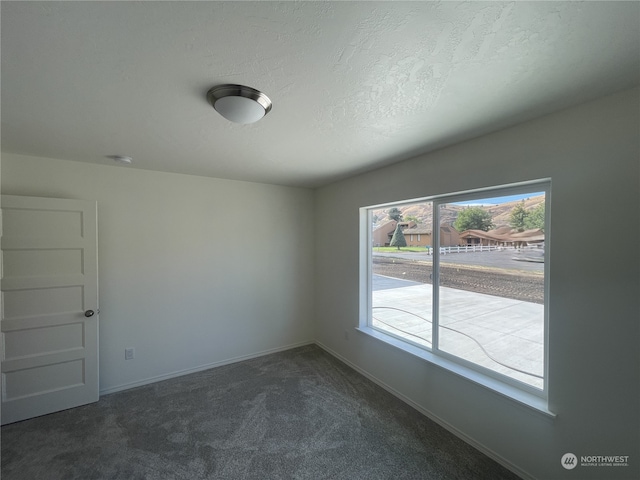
[[448, 212]]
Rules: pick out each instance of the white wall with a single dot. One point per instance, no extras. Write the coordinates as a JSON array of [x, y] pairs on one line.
[[592, 155], [193, 271]]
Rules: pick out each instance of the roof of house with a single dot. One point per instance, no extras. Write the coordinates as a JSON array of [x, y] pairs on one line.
[[500, 235], [390, 226], [427, 231], [385, 225], [417, 231]]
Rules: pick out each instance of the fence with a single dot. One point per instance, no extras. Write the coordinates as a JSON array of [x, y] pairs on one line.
[[482, 248], [465, 248]]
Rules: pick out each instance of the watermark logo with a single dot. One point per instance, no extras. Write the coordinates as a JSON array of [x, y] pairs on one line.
[[569, 461]]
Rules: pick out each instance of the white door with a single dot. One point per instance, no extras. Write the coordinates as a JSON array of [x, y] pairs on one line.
[[50, 305]]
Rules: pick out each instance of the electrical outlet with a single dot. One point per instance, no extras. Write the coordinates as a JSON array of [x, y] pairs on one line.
[[129, 353]]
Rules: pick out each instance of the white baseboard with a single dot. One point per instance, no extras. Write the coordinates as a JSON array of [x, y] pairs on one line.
[[179, 373], [446, 425]]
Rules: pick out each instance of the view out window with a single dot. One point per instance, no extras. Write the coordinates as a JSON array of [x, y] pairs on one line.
[[471, 290]]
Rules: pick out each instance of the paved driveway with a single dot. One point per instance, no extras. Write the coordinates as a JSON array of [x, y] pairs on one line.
[[494, 258], [504, 335], [380, 282]]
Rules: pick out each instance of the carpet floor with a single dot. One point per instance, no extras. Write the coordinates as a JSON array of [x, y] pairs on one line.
[[298, 414]]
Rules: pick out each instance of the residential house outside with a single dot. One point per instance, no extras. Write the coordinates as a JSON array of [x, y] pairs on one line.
[[382, 234], [503, 236], [422, 237]]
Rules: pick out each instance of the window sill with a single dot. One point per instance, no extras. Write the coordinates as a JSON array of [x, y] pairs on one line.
[[511, 392]]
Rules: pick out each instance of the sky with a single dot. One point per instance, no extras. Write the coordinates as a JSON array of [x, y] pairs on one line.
[[498, 200]]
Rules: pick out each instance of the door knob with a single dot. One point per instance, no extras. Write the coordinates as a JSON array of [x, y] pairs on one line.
[[89, 313]]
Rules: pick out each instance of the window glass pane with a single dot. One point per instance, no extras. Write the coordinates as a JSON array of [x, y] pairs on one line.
[[491, 284], [401, 257]]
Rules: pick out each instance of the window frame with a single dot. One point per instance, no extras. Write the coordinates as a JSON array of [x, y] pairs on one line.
[[512, 388]]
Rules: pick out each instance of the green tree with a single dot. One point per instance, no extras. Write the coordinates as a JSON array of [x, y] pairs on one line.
[[535, 218], [473, 218], [412, 218], [395, 214], [398, 239], [518, 216]]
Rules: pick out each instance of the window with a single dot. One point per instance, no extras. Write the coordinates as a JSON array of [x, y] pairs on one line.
[[474, 298]]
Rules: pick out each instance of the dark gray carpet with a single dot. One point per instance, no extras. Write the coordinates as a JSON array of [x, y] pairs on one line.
[[299, 414]]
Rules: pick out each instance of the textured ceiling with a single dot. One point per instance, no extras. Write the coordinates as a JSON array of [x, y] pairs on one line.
[[354, 85]]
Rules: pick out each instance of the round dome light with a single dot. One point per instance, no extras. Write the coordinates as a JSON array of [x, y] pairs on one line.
[[239, 104]]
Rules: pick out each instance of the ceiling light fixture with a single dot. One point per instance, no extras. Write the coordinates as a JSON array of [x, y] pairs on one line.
[[238, 103]]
